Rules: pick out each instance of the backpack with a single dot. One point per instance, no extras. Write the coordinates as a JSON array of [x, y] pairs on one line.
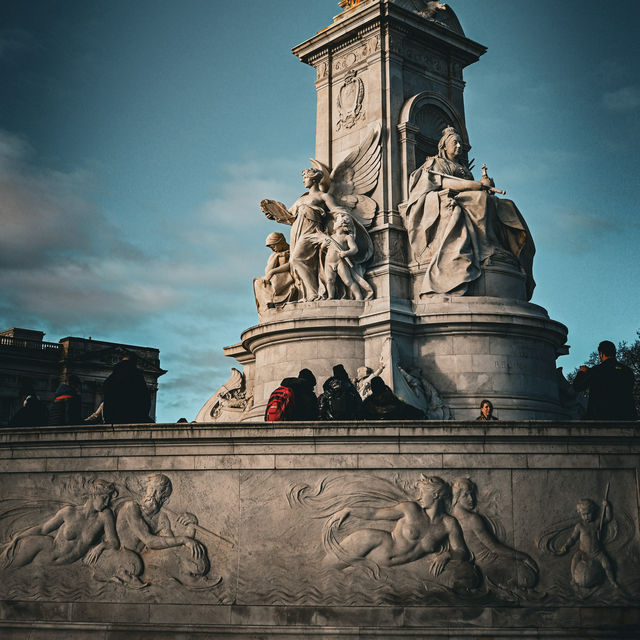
[[280, 406]]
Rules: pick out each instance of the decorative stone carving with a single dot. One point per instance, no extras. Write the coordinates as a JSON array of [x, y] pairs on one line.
[[134, 549], [591, 565], [314, 215], [457, 226], [322, 70], [75, 532], [354, 535], [229, 402], [511, 572], [364, 375], [276, 288], [350, 100], [419, 392]]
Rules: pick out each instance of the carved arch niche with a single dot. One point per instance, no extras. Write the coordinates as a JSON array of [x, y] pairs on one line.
[[422, 119]]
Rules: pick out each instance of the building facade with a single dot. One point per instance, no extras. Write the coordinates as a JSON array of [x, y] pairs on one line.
[[26, 358]]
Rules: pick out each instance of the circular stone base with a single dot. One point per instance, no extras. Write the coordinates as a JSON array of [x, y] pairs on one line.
[[468, 348]]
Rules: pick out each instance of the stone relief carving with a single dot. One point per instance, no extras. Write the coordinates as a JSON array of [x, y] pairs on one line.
[[314, 215], [350, 98], [505, 569], [415, 389], [75, 532], [356, 54], [322, 70], [420, 527], [134, 542], [596, 534], [229, 402]]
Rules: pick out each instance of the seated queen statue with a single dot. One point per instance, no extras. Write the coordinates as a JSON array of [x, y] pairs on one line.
[[457, 226]]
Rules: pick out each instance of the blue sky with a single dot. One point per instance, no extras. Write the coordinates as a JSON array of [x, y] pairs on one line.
[[137, 139]]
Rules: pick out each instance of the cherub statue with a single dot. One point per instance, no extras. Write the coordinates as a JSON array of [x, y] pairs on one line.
[[341, 246], [312, 216]]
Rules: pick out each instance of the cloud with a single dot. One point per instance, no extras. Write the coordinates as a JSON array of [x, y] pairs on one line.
[[624, 99], [577, 231], [70, 270]]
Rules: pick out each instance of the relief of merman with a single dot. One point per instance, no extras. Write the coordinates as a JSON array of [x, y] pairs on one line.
[[422, 528]]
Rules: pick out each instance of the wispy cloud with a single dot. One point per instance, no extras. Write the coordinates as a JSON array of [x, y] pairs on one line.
[[69, 270], [624, 99], [577, 231]]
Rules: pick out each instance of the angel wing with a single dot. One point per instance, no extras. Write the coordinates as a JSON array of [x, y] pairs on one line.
[[355, 177]]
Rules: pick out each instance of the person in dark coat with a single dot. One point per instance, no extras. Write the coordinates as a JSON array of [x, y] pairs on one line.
[[126, 397], [340, 400], [383, 404], [67, 407], [32, 413], [306, 407], [610, 385], [486, 411]]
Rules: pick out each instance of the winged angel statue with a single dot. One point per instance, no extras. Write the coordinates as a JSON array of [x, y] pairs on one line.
[[329, 242]]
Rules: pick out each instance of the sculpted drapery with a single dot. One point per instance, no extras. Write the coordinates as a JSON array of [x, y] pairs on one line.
[[455, 224]]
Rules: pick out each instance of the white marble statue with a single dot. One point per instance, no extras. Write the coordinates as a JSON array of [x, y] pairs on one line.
[[457, 225], [314, 214], [276, 287], [341, 247]]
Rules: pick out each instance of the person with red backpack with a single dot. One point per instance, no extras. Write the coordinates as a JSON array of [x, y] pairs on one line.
[[293, 400]]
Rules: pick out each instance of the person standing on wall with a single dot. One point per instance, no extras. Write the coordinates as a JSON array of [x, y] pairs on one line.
[[126, 397], [610, 385]]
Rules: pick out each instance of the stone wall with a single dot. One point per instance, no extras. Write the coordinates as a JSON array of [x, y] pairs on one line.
[[320, 531]]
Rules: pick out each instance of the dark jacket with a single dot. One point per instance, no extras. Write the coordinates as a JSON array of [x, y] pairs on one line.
[[306, 403], [66, 407], [610, 387], [340, 400], [126, 397], [33, 413], [385, 405]]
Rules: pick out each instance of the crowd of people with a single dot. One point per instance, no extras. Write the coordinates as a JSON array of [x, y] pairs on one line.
[[610, 385], [126, 400]]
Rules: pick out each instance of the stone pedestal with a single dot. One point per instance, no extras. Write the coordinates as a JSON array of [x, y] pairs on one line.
[[270, 501], [469, 348]]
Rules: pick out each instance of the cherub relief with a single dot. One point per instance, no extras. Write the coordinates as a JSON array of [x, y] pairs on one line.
[[314, 214], [596, 534]]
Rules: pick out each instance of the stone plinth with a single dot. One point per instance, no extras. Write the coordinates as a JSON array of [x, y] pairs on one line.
[[472, 348], [269, 502], [468, 347]]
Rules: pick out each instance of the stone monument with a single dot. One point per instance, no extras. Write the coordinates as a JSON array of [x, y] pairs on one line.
[[398, 264], [397, 256]]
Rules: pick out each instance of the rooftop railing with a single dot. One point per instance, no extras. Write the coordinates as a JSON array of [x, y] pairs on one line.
[[30, 345]]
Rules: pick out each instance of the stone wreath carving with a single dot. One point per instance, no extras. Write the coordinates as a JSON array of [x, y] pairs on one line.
[[350, 100]]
